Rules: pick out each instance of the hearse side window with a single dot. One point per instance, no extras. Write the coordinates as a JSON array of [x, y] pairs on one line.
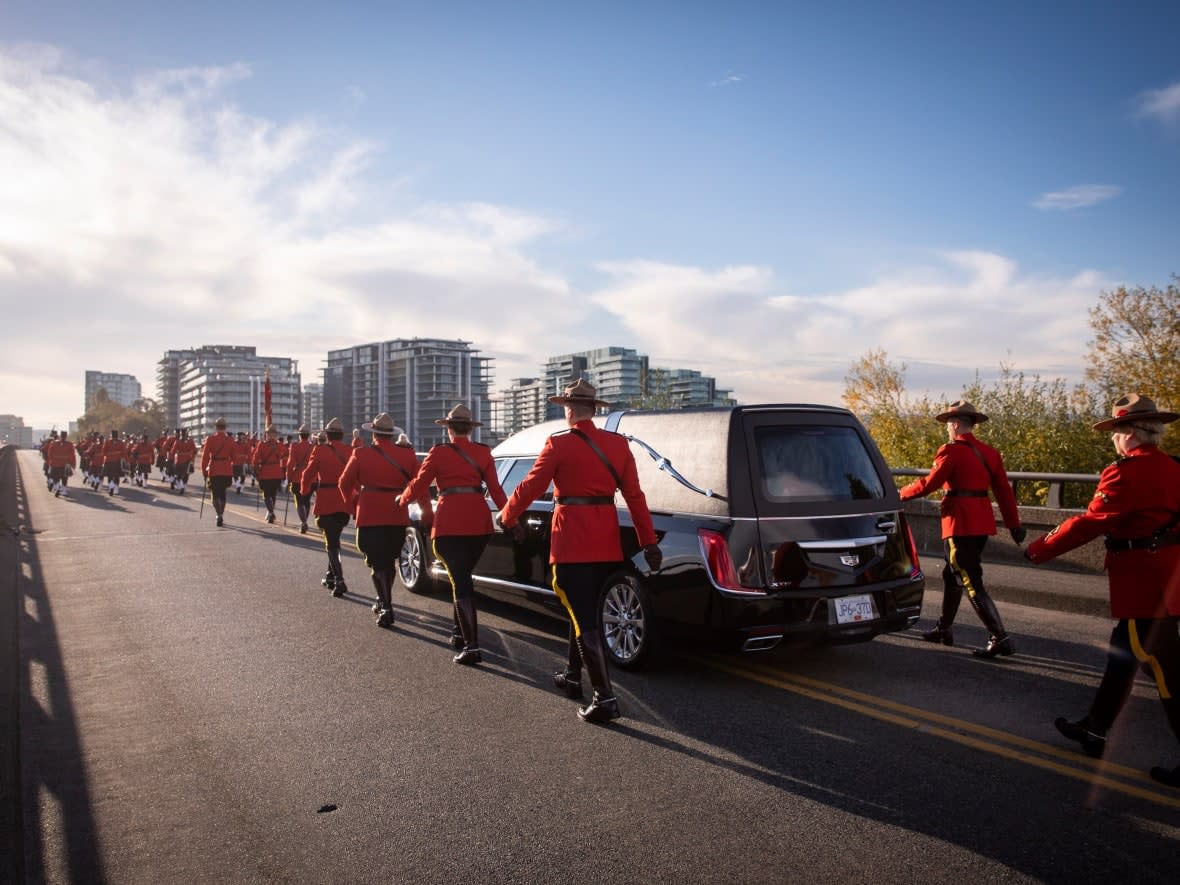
[[518, 470], [815, 463]]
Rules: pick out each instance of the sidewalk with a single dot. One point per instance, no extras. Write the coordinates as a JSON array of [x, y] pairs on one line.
[[1037, 586]]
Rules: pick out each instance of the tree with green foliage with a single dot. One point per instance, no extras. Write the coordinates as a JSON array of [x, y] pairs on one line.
[[104, 415], [1039, 426], [874, 390], [1136, 348], [655, 393]]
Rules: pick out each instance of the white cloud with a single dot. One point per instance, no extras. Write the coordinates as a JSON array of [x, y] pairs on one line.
[[965, 312], [1162, 104], [1077, 197], [162, 216], [729, 79]]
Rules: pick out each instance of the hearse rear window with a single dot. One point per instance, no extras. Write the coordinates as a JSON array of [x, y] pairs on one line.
[[815, 463], [516, 472]]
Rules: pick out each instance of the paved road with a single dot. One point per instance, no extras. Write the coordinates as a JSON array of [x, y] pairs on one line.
[[194, 709]]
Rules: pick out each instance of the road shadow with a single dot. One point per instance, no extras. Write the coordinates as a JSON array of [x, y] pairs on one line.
[[51, 775], [810, 749]]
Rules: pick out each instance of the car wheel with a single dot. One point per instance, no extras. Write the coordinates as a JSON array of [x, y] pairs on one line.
[[412, 565], [627, 626]]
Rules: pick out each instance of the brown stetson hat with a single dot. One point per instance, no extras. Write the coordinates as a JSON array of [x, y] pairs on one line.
[[303, 429], [459, 415], [382, 424], [580, 393], [960, 408], [270, 428], [334, 426], [220, 422], [1131, 408]]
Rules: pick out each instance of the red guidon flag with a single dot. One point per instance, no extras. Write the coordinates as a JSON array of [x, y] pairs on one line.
[[266, 399]]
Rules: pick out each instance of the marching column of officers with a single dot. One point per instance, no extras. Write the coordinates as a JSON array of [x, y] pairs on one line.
[[1136, 507]]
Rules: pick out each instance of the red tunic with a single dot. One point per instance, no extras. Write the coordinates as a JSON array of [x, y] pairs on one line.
[[958, 469], [183, 451], [113, 451], [377, 484], [217, 454], [61, 453], [143, 453], [324, 467], [1136, 495], [584, 532], [297, 458], [459, 513], [267, 460]]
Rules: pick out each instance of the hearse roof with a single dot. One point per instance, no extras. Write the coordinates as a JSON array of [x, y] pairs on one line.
[[682, 455]]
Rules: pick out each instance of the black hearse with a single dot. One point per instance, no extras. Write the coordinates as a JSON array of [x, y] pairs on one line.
[[777, 522]]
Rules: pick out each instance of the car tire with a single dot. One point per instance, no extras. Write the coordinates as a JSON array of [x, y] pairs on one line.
[[413, 566], [628, 629]]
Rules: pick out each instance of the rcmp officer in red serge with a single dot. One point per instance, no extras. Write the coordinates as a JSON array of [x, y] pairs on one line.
[[217, 466], [183, 451], [377, 475], [462, 470], [332, 509], [297, 457], [267, 463], [585, 464], [967, 468], [1137, 508]]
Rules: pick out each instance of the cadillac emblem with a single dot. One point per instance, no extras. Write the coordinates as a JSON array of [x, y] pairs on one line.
[[850, 559]]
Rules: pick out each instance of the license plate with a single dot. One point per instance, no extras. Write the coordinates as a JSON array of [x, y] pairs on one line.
[[850, 609]]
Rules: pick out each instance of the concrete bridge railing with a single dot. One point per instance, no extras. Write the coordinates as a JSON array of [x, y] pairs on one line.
[[923, 517]]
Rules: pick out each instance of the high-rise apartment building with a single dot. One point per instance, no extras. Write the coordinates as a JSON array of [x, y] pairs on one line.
[[13, 431], [522, 404], [313, 406], [416, 381], [623, 377], [121, 389], [196, 387]]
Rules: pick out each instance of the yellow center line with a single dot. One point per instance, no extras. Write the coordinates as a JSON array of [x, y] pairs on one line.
[[979, 737]]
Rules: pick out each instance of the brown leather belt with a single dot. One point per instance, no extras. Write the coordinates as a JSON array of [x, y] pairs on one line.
[[566, 500], [966, 493], [461, 490], [1152, 542], [381, 489]]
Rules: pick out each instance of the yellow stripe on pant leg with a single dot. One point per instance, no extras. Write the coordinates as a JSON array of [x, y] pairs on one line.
[[438, 556], [565, 601], [964, 578], [1142, 656]]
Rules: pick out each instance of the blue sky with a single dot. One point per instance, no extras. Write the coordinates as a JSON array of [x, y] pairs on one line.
[[761, 191]]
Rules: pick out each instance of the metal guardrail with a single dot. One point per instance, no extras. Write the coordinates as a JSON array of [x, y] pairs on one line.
[[1057, 482]]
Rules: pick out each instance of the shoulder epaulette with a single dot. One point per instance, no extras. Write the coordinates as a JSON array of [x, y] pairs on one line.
[[565, 432]]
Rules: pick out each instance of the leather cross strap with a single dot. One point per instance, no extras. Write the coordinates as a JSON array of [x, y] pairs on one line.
[[469, 460], [598, 452], [982, 460], [401, 469]]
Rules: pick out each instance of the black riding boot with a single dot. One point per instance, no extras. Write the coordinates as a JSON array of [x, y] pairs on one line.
[[952, 595], [338, 587], [998, 641], [383, 607], [603, 707], [569, 680], [469, 624], [456, 630]]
